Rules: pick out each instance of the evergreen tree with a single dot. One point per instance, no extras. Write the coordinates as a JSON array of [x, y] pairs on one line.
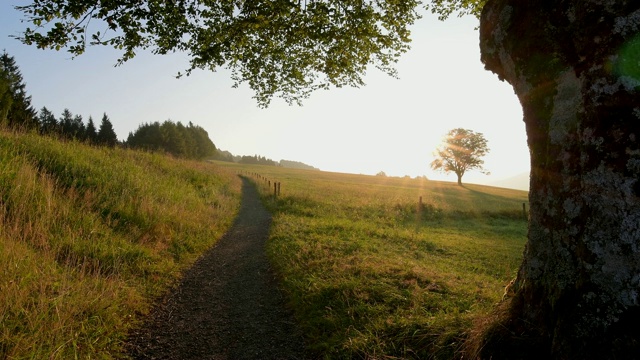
[[48, 122], [106, 135], [91, 135], [66, 124], [6, 100], [19, 112], [79, 128], [22, 114]]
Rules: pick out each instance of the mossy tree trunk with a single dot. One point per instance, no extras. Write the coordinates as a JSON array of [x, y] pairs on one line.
[[575, 67]]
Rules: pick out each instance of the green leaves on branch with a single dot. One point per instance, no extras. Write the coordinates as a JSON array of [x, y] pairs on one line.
[[446, 8], [285, 48]]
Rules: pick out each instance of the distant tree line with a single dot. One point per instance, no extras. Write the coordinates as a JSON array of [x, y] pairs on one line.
[[223, 155], [191, 141], [16, 112], [257, 160], [296, 165], [71, 127]]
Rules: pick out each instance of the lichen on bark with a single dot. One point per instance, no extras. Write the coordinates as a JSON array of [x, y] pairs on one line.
[[571, 64]]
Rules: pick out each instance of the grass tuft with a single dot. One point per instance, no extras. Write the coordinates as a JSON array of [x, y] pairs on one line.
[[90, 236], [371, 274]]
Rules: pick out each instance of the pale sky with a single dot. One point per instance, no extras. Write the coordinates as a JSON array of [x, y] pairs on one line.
[[390, 125]]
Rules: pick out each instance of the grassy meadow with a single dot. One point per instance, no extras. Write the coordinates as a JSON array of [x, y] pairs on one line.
[[371, 275], [90, 236]]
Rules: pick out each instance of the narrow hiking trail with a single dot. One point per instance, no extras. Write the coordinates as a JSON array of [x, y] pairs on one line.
[[228, 305]]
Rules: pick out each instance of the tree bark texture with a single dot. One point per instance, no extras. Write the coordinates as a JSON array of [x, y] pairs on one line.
[[575, 67]]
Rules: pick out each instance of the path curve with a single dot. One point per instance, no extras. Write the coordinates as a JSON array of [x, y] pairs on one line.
[[228, 305]]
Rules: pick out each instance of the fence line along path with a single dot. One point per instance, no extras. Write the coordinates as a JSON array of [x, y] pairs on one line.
[[228, 305]]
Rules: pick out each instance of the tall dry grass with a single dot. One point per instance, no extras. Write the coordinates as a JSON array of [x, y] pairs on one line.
[[90, 236]]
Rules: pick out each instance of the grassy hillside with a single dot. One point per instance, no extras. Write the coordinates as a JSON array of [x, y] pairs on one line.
[[89, 235], [371, 277]]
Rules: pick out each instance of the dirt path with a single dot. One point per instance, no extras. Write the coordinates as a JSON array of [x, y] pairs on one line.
[[228, 305]]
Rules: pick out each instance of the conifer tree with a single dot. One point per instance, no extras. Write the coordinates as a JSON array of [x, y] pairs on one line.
[[18, 109], [106, 135], [91, 134], [66, 124], [48, 122], [6, 100], [78, 128]]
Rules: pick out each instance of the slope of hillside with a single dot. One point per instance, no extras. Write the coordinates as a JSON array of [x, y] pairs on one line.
[[90, 236]]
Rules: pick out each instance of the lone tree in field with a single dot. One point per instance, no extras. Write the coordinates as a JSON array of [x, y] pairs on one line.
[[461, 150], [573, 65]]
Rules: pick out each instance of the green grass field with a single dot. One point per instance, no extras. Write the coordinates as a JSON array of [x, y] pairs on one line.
[[372, 277], [90, 236]]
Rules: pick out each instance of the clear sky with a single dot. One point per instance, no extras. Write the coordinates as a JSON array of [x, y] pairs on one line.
[[390, 125]]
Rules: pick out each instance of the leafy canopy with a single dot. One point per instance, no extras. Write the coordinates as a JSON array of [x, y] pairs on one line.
[[461, 150], [446, 8], [286, 48], [191, 142]]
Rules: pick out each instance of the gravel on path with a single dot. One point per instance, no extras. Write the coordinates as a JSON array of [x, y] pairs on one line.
[[228, 305]]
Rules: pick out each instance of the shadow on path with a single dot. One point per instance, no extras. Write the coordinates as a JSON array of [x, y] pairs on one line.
[[228, 305]]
